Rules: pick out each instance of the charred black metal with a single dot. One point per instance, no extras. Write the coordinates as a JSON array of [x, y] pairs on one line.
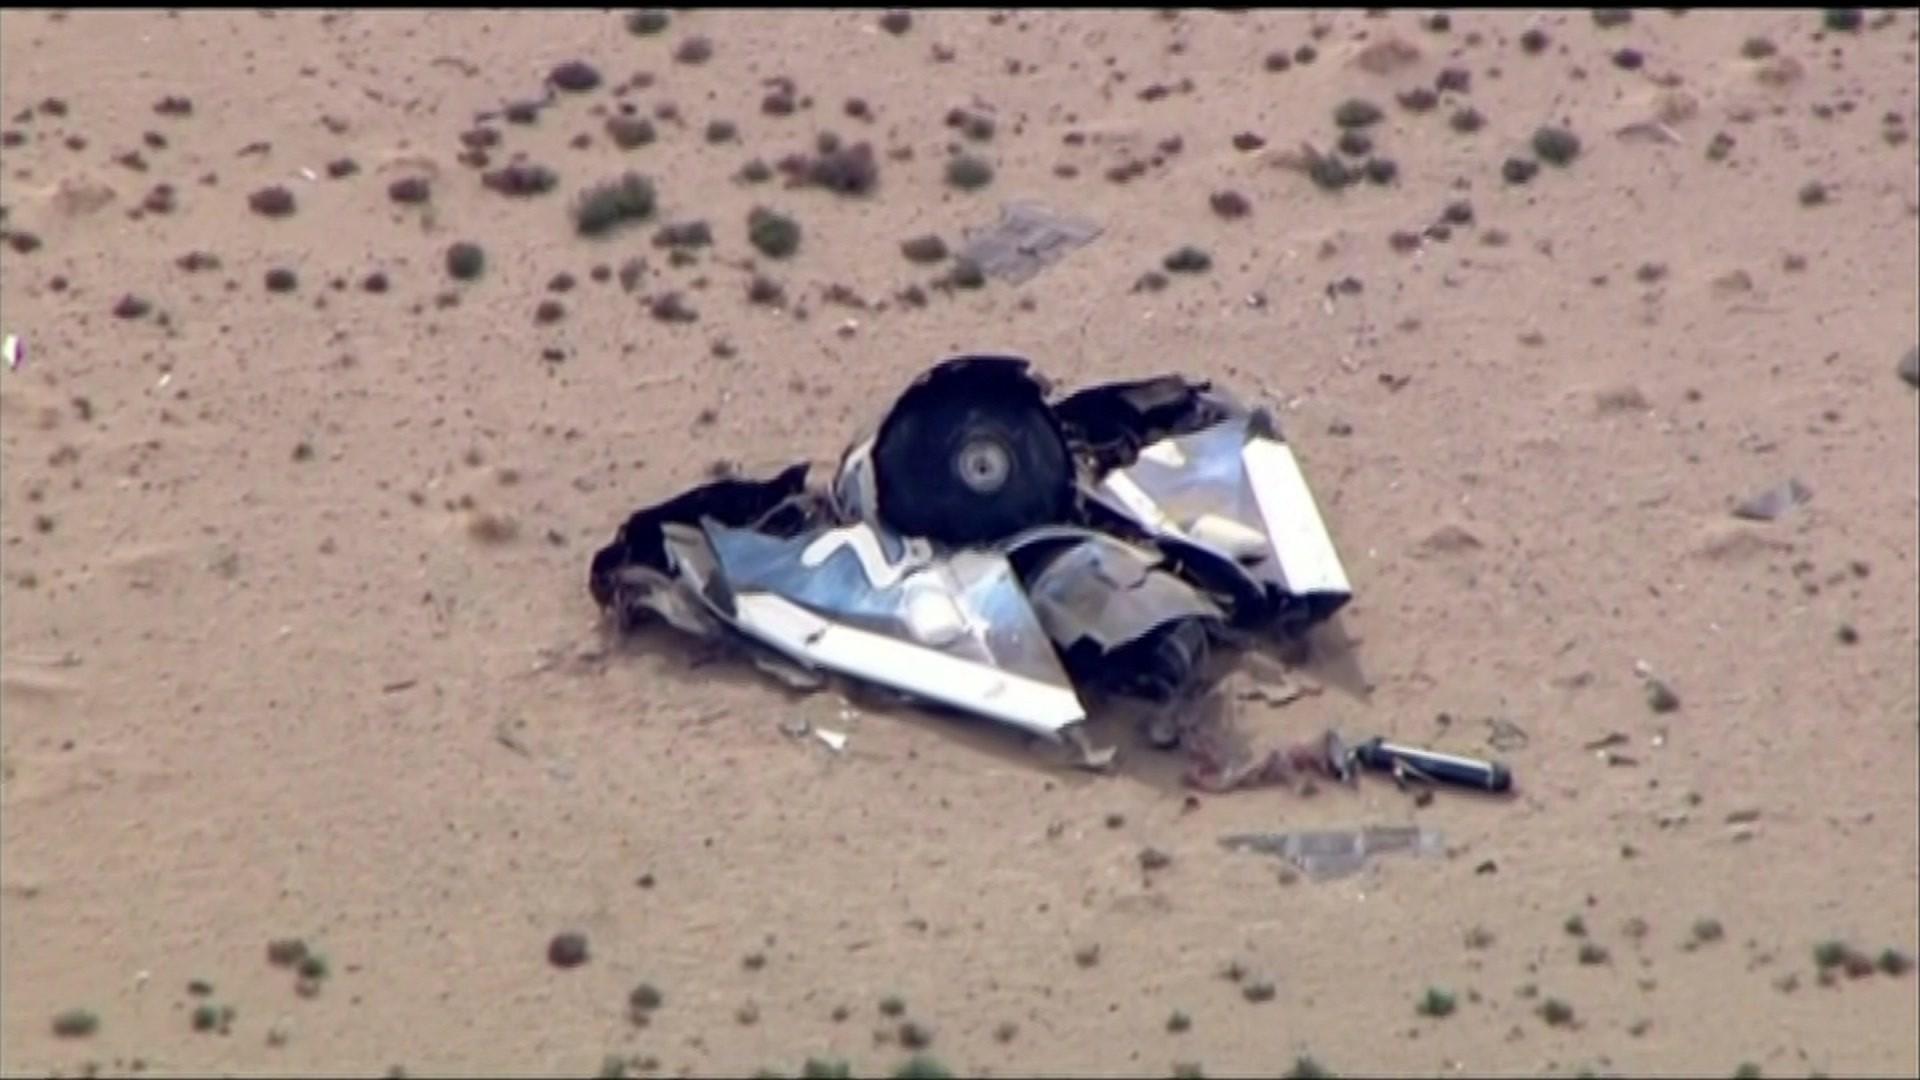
[[780, 506], [971, 454], [1110, 424]]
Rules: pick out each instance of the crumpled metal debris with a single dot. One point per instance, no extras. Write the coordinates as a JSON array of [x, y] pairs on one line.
[[988, 549]]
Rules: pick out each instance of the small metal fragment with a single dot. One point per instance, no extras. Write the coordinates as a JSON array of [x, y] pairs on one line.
[[1774, 503]]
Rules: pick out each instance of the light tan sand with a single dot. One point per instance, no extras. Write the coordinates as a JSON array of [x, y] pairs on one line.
[[251, 693]]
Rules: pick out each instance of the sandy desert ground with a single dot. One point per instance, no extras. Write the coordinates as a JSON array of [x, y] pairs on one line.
[[296, 641]]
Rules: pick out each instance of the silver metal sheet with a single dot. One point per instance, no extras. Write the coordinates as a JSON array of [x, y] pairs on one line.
[[1110, 592], [1027, 239], [1236, 493], [1325, 854], [957, 629]]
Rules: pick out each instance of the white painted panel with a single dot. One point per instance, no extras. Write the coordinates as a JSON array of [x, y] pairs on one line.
[[1308, 561], [936, 676]]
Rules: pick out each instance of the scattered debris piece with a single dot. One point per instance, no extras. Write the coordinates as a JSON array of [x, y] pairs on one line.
[[1774, 503], [1027, 239], [1415, 764], [1648, 131], [1327, 854]]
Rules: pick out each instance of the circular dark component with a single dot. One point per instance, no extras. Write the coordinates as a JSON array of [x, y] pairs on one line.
[[971, 454], [983, 463]]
